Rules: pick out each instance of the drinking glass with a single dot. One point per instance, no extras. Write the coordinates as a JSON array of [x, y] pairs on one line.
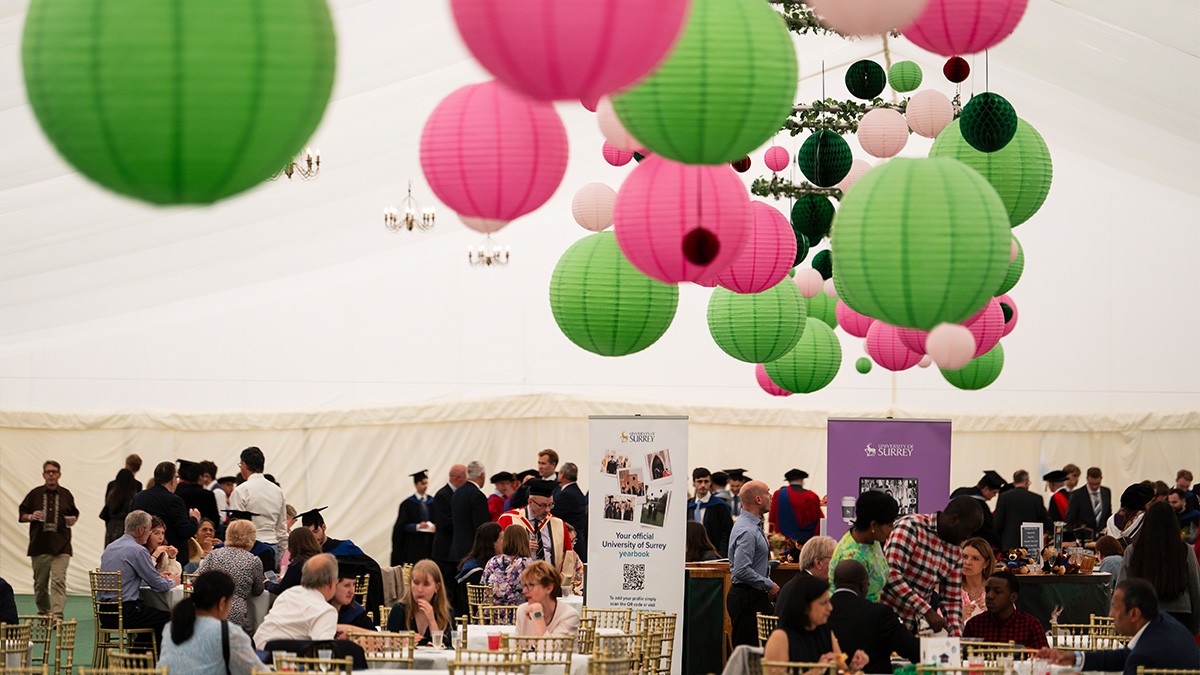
[[324, 655]]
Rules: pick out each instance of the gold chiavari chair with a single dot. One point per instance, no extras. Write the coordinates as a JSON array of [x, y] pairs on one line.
[[660, 643], [586, 636], [406, 576], [480, 661], [110, 610], [384, 612], [957, 670], [478, 596], [41, 632], [617, 619], [1103, 642], [641, 615], [613, 665], [64, 647], [14, 643], [1070, 635], [128, 660], [546, 650], [617, 645], [361, 583], [345, 666], [766, 625], [798, 668], [188, 580], [463, 622], [1143, 670], [122, 671], [1102, 625], [498, 615], [27, 670], [387, 650], [989, 653]]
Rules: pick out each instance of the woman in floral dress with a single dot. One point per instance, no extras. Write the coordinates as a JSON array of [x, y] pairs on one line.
[[503, 572]]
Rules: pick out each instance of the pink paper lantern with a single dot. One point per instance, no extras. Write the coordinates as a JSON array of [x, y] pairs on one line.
[[883, 132], [482, 225], [764, 381], [592, 206], [564, 49], [913, 338], [589, 103], [956, 27], [616, 156], [929, 112], [987, 326], [829, 288], [498, 166], [767, 256], [1014, 250], [866, 17], [613, 130], [776, 158], [925, 361], [951, 345], [809, 281], [677, 222], [885, 348], [1012, 322], [858, 168], [852, 322]]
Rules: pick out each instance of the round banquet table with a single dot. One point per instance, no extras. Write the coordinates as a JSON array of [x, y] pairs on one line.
[[1080, 596]]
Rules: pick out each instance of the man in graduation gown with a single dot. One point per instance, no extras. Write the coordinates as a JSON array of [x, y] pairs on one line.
[[412, 535], [737, 478], [1059, 496], [708, 510], [194, 495], [795, 511], [345, 551], [549, 539], [351, 615], [503, 482], [985, 491], [520, 495]]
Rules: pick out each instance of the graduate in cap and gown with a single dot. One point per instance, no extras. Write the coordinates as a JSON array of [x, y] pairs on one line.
[[1060, 496], [351, 615], [736, 479], [520, 495], [194, 495], [503, 481], [795, 511], [265, 552], [985, 490], [412, 535], [345, 551]]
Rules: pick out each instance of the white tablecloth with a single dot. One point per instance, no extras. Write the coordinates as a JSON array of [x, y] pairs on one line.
[[164, 600], [438, 660], [477, 634]]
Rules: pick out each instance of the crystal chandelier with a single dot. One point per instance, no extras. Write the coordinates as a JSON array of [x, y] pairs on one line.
[[307, 168], [488, 254], [406, 216]]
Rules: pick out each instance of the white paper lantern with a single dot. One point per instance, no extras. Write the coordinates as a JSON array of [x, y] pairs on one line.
[[592, 206], [614, 132], [883, 132], [929, 112], [810, 282], [867, 17], [857, 168], [951, 345], [829, 289]]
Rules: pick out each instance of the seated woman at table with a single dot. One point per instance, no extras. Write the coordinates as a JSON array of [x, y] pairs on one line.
[[245, 568], [978, 564], [503, 572], [1112, 557], [192, 642], [302, 545], [201, 545], [803, 634], [542, 613], [698, 547], [162, 554], [424, 607], [488, 545]]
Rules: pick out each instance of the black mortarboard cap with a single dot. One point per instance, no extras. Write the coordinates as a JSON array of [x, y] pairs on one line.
[[502, 476], [542, 488], [795, 474], [1055, 476], [992, 479], [312, 517], [189, 470], [528, 473], [736, 474], [1136, 496], [238, 514], [350, 570], [419, 476]]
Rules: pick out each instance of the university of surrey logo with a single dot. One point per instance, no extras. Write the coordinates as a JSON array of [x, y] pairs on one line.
[[637, 437], [870, 451]]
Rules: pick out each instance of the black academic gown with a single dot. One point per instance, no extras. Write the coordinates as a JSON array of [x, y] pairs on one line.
[[346, 550], [409, 545], [988, 529], [204, 501]]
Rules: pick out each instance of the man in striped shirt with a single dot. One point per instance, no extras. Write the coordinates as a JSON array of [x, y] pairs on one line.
[[926, 565]]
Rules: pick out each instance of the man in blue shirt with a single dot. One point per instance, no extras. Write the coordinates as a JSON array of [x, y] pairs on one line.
[[128, 556], [751, 590]]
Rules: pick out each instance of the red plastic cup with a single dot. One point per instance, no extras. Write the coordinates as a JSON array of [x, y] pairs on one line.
[[493, 642]]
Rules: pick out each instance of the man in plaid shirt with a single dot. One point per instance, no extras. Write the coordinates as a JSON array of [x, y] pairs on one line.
[[926, 561], [1003, 622]]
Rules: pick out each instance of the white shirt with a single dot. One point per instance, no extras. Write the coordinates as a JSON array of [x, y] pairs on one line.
[[261, 496], [299, 613]]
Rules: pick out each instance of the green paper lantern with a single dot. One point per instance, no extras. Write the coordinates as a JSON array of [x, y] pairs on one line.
[[724, 90], [863, 365], [919, 242], [825, 158], [811, 216], [813, 362], [823, 263], [988, 122], [1015, 268], [865, 79], [823, 308], [178, 102], [905, 76], [605, 305], [979, 373], [757, 327], [1021, 172]]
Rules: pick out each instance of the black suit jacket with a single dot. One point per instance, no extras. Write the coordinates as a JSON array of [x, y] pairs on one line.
[[872, 627], [1014, 507], [469, 510], [204, 501], [571, 508], [718, 523], [1164, 644], [443, 521], [1081, 514], [161, 502]]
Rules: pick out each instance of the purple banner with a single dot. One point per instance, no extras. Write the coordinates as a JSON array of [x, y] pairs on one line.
[[909, 459]]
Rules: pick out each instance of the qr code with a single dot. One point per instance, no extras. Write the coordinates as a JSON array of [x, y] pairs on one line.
[[635, 577]]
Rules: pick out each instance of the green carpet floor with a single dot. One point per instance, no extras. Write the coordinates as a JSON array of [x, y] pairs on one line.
[[79, 607]]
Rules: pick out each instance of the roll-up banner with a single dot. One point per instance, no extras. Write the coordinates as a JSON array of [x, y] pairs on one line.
[[637, 511]]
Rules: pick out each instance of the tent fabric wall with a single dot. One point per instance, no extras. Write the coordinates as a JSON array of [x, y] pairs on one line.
[[357, 461]]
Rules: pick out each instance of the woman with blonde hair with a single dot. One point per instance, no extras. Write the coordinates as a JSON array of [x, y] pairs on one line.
[[978, 563], [542, 613], [246, 569], [503, 572], [424, 607]]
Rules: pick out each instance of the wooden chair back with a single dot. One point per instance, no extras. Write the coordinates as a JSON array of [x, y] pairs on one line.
[[766, 625], [345, 666], [478, 596], [660, 643], [498, 615], [130, 660], [546, 650], [14, 643], [586, 637], [387, 650], [64, 647], [361, 583], [616, 619], [479, 661], [41, 633]]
